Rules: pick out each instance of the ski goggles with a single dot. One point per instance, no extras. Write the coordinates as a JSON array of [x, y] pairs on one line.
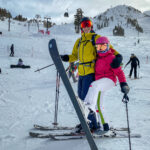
[[86, 23]]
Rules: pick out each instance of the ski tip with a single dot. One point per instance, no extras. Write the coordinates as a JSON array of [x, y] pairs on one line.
[[51, 43]]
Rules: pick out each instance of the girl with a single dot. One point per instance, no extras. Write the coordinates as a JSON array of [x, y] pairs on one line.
[[105, 79]]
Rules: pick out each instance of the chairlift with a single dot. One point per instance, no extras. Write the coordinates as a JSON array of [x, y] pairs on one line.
[[66, 14]]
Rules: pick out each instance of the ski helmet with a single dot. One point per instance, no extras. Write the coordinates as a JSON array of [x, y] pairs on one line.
[[102, 40]]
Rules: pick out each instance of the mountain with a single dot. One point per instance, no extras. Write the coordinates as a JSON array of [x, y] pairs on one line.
[[147, 12], [129, 18], [28, 97]]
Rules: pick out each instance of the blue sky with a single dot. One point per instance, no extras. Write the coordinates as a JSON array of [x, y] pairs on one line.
[[56, 8]]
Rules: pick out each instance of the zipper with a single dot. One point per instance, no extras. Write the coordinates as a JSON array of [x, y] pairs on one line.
[[82, 58]]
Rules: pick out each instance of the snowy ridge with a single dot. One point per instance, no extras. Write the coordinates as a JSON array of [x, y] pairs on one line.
[[118, 16], [147, 13]]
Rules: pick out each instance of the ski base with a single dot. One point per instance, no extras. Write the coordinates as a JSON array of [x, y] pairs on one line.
[[72, 135]]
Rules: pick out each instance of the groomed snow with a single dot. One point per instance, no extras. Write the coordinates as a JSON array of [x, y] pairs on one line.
[[28, 97]]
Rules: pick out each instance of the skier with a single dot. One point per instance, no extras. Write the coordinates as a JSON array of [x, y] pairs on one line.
[[84, 51], [134, 62], [105, 79], [20, 62], [12, 50], [0, 71]]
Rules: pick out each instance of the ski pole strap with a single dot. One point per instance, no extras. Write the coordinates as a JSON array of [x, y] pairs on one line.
[[125, 98]]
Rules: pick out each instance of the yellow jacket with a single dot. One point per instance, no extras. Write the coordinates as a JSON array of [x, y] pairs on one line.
[[85, 52]]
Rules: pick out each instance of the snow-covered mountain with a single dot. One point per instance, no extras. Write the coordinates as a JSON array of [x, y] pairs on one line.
[[120, 15], [28, 97]]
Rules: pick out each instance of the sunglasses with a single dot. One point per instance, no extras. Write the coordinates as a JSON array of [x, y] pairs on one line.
[[86, 23]]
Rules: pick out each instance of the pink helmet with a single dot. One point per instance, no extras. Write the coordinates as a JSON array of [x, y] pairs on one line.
[[102, 40]]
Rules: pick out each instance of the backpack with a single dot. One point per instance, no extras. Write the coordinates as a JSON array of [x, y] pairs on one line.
[[93, 43], [92, 40]]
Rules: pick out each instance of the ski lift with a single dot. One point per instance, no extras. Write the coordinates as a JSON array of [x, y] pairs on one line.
[[66, 14]]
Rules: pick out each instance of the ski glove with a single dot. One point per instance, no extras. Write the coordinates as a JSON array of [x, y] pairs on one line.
[[124, 87], [64, 58], [117, 61]]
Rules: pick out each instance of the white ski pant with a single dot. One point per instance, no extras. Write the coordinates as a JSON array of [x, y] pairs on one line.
[[94, 97]]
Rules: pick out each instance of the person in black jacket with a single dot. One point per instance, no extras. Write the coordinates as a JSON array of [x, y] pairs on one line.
[[134, 62], [12, 50]]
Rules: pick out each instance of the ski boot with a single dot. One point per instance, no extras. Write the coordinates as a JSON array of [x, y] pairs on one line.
[[106, 127], [93, 124], [78, 129]]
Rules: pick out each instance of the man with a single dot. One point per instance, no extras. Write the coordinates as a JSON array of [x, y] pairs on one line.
[[85, 52], [12, 50], [134, 62], [20, 62]]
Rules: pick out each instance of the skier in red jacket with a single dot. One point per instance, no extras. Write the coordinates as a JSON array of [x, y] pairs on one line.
[[105, 79]]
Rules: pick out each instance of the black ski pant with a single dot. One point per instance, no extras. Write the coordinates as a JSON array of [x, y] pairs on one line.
[[11, 54], [135, 71]]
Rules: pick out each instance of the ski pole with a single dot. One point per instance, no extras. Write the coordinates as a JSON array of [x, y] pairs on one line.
[[56, 99], [138, 72], [126, 100], [124, 67], [43, 67]]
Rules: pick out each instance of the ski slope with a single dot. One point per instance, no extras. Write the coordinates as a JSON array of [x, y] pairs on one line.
[[28, 97]]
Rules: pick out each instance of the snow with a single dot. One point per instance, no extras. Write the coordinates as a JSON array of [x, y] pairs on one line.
[[28, 97]]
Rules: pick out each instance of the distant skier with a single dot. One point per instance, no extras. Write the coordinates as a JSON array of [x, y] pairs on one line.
[[20, 62], [0, 71], [134, 62], [105, 78], [12, 50]]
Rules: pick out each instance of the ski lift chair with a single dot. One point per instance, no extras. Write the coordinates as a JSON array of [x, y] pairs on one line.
[[66, 14]]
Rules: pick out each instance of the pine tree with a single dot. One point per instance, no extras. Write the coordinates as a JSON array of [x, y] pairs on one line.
[[4, 13], [20, 18], [118, 31], [78, 17]]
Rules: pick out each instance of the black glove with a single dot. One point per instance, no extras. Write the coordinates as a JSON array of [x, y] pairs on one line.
[[117, 61], [124, 87], [64, 58]]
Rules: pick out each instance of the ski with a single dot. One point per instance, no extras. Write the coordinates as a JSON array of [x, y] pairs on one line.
[[51, 128], [39, 127], [72, 135], [62, 72]]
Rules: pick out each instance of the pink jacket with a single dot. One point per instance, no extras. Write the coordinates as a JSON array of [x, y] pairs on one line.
[[104, 70]]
